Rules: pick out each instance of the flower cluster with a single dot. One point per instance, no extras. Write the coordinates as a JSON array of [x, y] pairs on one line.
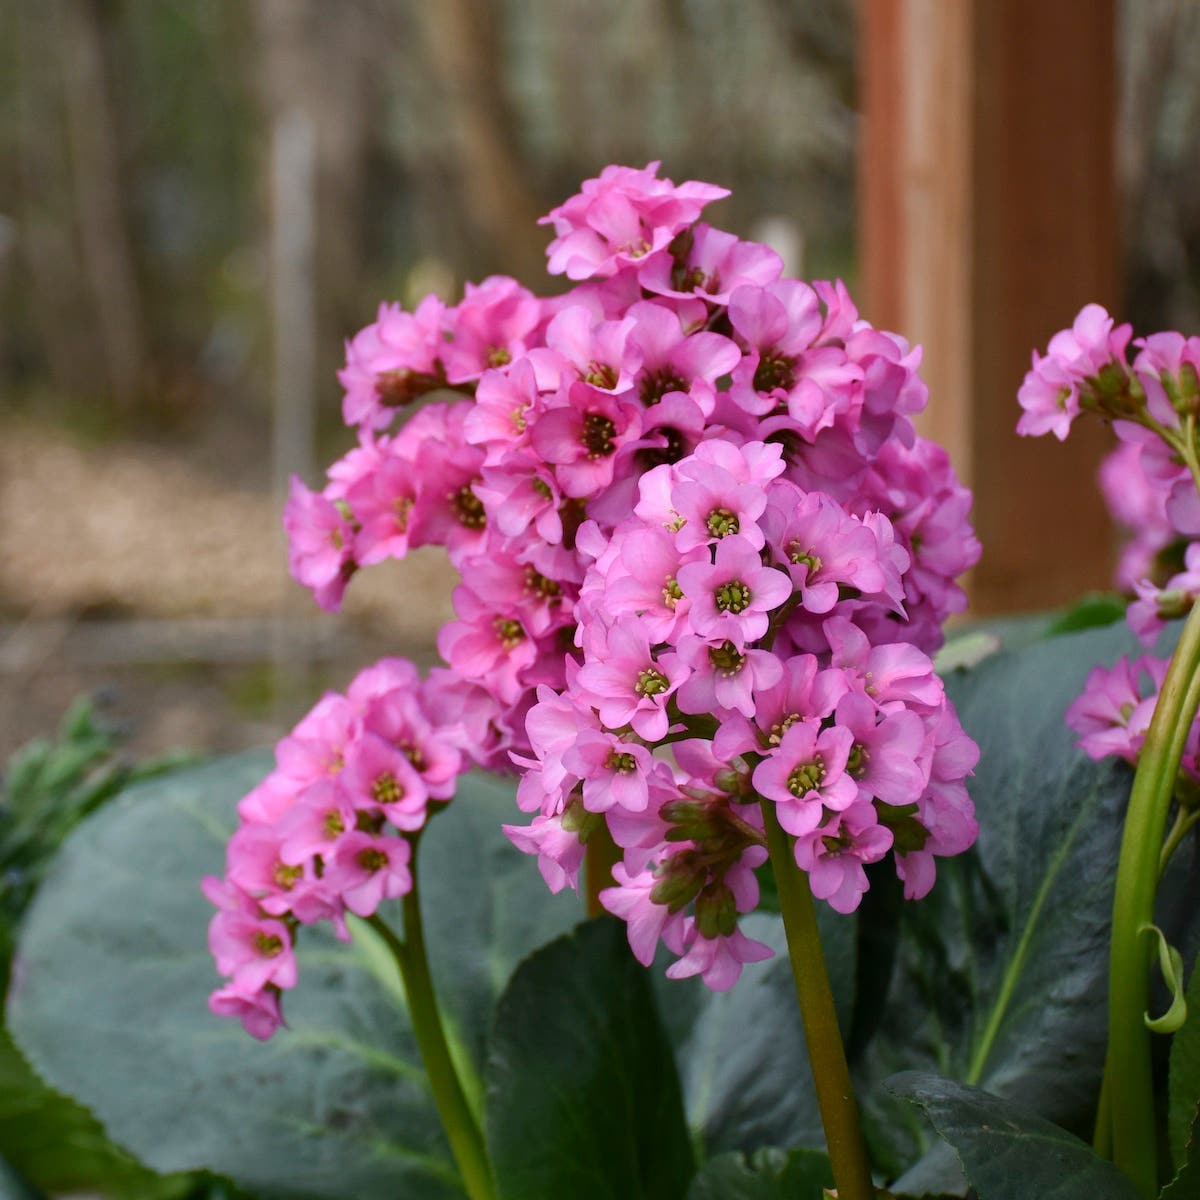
[[327, 832], [704, 557], [1151, 483]]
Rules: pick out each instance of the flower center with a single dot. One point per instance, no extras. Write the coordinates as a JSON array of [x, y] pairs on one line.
[[774, 371], [798, 555], [468, 508], [721, 523], [333, 823], [726, 658], [775, 736], [386, 789], [651, 682], [657, 384], [267, 944], [856, 763], [807, 778], [601, 375], [733, 597], [285, 876], [402, 506], [598, 434], [623, 764], [372, 859], [538, 585], [510, 632], [672, 593], [498, 356]]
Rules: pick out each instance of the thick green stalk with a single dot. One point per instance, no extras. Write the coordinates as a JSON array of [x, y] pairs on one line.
[[466, 1139], [826, 1054], [1129, 1082]]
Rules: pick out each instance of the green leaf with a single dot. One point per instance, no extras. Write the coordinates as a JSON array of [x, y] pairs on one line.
[[1007, 1152], [767, 1174], [13, 1186], [1001, 971], [1183, 1085], [113, 974], [60, 1146], [1093, 611], [742, 1056], [1186, 1184], [582, 1097]]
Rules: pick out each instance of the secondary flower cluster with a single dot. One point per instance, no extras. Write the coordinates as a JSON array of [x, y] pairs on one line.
[[1151, 483], [704, 557], [327, 832]]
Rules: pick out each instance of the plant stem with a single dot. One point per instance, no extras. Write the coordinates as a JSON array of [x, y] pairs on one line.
[[1180, 828], [1129, 1080], [826, 1054], [602, 854], [466, 1139]]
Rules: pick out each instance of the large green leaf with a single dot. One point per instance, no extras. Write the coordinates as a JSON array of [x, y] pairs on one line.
[[583, 1099], [1007, 1152], [1184, 1079], [766, 1174], [1000, 974], [113, 973], [742, 1055], [60, 1146], [1186, 1184]]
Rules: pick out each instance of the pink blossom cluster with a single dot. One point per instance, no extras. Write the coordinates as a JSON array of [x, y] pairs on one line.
[[1150, 482], [1147, 485], [328, 831], [704, 558]]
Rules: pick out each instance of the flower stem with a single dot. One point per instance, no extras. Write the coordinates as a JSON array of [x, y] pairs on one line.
[[602, 854], [1128, 1082], [826, 1054], [465, 1137]]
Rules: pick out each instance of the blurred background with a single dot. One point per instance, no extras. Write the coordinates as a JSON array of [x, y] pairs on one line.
[[200, 199]]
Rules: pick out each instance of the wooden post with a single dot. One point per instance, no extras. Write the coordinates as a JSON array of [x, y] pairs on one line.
[[988, 218]]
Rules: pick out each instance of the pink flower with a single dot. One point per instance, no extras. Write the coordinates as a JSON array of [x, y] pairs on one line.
[[254, 950], [719, 961], [713, 265], [733, 597], [258, 1011], [366, 870], [806, 774], [834, 854], [1112, 716], [392, 362], [490, 328], [559, 851], [620, 218], [627, 685], [320, 539]]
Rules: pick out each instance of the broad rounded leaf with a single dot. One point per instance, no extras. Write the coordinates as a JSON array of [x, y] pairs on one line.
[[1007, 1152], [766, 1174], [1184, 1080], [60, 1146], [582, 1097], [109, 998]]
